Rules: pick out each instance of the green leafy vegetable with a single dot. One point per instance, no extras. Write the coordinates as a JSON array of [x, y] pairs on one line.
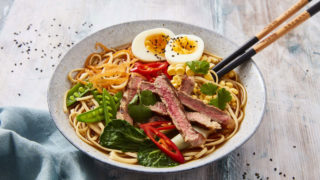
[[199, 67], [147, 98], [138, 109], [139, 112], [209, 89], [223, 97], [154, 157], [121, 135]]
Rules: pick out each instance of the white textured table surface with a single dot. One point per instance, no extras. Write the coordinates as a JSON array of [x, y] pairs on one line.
[[35, 34]]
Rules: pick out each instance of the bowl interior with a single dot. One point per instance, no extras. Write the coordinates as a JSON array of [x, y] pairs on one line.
[[124, 33]]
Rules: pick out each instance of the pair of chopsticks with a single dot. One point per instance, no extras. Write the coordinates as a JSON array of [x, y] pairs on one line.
[[241, 55]]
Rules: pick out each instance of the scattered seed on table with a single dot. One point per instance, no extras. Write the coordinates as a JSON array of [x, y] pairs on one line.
[[254, 153], [270, 159], [275, 169], [19, 94], [294, 146]]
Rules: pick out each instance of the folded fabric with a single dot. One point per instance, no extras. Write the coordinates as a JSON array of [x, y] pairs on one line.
[[31, 147]]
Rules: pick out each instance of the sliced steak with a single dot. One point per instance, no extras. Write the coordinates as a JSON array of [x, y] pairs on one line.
[[131, 91], [203, 120], [211, 111], [175, 110], [187, 84], [144, 85], [159, 108], [156, 118]]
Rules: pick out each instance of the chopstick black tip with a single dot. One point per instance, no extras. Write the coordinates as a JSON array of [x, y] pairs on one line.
[[235, 54], [314, 9], [246, 56]]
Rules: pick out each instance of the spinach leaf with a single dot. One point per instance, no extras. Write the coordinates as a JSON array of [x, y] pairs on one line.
[[138, 107], [222, 99], [209, 89], [199, 67], [147, 98], [121, 135], [139, 112], [154, 157]]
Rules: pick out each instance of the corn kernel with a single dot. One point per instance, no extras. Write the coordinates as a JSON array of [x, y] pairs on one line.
[[175, 85], [171, 70], [202, 96], [208, 98], [234, 91], [222, 83], [204, 58], [208, 76], [189, 72], [234, 105], [180, 70], [229, 84], [177, 79], [233, 99], [195, 90], [205, 101], [194, 96], [231, 74]]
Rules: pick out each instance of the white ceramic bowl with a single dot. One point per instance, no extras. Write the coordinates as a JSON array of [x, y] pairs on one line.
[[124, 33]]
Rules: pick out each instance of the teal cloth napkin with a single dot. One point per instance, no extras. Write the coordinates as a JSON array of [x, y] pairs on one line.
[[31, 147]]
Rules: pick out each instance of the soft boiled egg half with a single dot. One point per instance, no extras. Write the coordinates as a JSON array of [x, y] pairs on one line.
[[150, 44], [183, 48]]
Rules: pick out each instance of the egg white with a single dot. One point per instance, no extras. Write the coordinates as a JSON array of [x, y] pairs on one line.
[[139, 49], [175, 58]]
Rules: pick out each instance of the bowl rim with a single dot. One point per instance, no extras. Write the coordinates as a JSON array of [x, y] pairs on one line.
[[148, 169]]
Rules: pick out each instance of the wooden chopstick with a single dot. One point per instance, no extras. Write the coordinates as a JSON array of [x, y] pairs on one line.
[[275, 23], [270, 39]]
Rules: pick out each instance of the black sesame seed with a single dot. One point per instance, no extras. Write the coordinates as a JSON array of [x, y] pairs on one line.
[[41, 70], [172, 55], [248, 164], [294, 146], [54, 19], [293, 177], [284, 175], [12, 71], [238, 154], [52, 65], [270, 159], [36, 69], [15, 64], [20, 64], [280, 173], [36, 49], [275, 169], [59, 25], [19, 45], [1, 47], [254, 153], [19, 94]]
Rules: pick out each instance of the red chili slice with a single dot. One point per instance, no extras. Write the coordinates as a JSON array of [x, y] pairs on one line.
[[160, 125], [151, 70], [164, 144]]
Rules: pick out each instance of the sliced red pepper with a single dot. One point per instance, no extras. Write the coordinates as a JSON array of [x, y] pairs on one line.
[[151, 70], [164, 144], [160, 125]]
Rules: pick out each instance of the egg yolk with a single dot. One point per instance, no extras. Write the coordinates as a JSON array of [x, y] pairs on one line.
[[183, 45], [156, 43]]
